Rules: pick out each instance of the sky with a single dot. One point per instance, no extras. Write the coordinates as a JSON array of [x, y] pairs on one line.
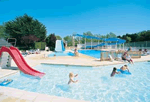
[[65, 17]]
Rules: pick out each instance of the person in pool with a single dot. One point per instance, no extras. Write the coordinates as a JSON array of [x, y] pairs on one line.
[[71, 76], [124, 68], [114, 72]]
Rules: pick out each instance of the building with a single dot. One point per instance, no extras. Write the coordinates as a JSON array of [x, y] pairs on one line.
[[4, 43]]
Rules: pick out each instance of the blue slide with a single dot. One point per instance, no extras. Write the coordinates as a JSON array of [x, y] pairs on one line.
[[114, 40], [59, 47]]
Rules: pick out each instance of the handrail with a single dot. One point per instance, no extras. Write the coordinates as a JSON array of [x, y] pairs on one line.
[[12, 42]]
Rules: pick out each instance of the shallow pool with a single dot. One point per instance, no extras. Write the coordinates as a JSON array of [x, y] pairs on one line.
[[61, 54], [92, 53], [95, 83]]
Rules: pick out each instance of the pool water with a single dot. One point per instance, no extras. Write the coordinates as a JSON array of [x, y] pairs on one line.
[[61, 54], [95, 83], [92, 53]]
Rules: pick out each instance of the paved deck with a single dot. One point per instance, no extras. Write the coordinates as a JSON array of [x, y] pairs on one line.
[[15, 95], [83, 60], [6, 72]]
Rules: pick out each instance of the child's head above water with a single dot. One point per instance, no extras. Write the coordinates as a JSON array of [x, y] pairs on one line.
[[114, 69], [71, 75], [125, 65]]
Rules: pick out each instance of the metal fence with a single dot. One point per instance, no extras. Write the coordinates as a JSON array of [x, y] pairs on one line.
[[135, 46], [138, 45]]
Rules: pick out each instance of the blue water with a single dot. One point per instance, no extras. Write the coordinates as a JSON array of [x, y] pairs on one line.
[[92, 53], [95, 83], [61, 54]]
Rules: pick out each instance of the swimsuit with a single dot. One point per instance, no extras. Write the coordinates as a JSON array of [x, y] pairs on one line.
[[113, 73]]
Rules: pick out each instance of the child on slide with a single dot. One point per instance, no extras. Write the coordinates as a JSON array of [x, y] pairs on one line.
[[71, 76]]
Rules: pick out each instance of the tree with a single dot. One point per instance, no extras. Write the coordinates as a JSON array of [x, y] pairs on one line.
[[24, 26], [88, 33], [128, 39], [69, 40], [29, 41], [1, 31], [58, 37], [111, 35], [50, 41]]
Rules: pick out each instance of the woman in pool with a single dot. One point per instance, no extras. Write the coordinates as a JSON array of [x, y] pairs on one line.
[[124, 68], [114, 72], [71, 76]]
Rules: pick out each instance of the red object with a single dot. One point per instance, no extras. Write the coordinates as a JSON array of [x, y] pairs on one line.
[[20, 61]]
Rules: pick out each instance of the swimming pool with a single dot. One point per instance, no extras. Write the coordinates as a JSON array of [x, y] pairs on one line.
[[61, 54], [92, 53], [95, 83]]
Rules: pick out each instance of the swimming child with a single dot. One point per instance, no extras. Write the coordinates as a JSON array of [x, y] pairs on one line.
[[125, 67], [114, 72], [71, 76]]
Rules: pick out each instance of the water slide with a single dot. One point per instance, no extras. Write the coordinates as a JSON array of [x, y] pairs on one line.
[[59, 47], [20, 61], [114, 40]]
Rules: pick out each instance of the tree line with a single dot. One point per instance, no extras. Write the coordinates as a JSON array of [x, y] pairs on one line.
[[136, 37]]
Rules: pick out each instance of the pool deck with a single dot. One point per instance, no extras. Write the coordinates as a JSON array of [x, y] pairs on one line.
[[15, 95], [82, 60]]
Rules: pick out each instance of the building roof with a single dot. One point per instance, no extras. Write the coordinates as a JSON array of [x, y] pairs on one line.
[[4, 43]]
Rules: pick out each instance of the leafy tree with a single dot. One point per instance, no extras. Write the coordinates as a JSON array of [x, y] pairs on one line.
[[136, 37], [128, 39], [58, 37], [29, 41], [50, 41], [88, 33], [69, 40], [111, 35], [2, 31], [24, 26]]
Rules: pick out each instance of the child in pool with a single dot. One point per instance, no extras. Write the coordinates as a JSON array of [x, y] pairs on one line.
[[125, 67], [71, 76], [114, 72]]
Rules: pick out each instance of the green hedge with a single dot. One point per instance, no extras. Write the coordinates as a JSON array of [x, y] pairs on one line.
[[40, 45]]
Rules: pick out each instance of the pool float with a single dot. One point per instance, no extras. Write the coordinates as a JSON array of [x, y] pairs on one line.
[[6, 82], [124, 72], [120, 75]]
